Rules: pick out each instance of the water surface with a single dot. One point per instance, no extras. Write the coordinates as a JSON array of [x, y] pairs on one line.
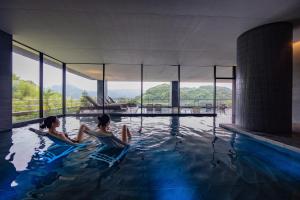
[[172, 158]]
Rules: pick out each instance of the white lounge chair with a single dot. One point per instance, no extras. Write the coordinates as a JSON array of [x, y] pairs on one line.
[[111, 150], [60, 147]]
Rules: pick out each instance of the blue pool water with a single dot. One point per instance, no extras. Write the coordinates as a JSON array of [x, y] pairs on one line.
[[173, 158]]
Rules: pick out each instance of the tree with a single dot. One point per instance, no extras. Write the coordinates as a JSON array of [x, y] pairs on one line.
[[83, 101], [47, 96]]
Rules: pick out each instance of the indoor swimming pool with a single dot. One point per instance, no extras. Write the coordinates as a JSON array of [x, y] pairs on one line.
[[171, 158]]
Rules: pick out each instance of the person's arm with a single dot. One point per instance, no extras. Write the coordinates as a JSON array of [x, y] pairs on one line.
[[86, 128], [63, 136], [70, 139]]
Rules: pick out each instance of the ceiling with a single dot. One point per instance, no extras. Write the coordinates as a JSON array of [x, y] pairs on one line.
[[190, 32]]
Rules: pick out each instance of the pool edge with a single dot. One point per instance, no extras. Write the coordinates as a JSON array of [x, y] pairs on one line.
[[258, 136]]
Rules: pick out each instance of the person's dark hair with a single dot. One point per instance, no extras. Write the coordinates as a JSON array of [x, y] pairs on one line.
[[48, 122], [103, 120]]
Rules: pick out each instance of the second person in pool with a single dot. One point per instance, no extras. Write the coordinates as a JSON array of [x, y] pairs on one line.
[[52, 122], [103, 128]]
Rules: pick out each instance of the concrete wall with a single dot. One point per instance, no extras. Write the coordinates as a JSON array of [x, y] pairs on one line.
[[296, 83], [5, 81], [264, 79]]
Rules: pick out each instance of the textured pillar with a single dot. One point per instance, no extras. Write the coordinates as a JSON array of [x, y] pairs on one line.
[[174, 94], [5, 81], [296, 83], [233, 115], [264, 79], [100, 88]]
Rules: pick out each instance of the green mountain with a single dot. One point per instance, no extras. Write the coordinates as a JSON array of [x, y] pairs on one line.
[[202, 92]]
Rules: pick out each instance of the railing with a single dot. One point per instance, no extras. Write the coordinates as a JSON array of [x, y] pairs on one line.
[[189, 102], [163, 102], [203, 102], [29, 108], [167, 102], [32, 105]]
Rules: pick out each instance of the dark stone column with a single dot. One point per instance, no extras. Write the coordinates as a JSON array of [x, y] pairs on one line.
[[100, 88], [264, 79], [233, 116], [5, 81], [174, 94]]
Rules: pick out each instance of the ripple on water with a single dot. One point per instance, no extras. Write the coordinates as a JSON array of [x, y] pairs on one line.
[[172, 158]]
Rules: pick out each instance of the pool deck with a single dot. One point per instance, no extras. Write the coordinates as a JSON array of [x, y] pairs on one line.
[[288, 142]]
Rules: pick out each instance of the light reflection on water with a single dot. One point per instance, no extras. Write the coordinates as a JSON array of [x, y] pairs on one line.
[[175, 158]]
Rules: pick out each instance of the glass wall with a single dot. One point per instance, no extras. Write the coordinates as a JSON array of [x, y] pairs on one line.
[[120, 92], [123, 85], [52, 94], [157, 98], [224, 100], [196, 90], [25, 91], [81, 88]]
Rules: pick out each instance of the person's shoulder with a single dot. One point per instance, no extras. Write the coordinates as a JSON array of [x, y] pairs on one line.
[[105, 132], [97, 132]]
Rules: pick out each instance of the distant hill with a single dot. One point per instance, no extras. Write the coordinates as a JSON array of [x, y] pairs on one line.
[[75, 92], [128, 93], [202, 92], [157, 92]]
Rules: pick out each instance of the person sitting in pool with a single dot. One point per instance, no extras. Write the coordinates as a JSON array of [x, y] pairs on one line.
[[52, 123], [103, 129]]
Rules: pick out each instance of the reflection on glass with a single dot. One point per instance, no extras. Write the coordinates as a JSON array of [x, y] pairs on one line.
[[25, 81], [52, 93], [196, 89], [160, 95]]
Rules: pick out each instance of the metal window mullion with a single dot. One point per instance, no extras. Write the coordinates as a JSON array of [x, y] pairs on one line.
[[64, 80], [103, 90], [215, 89], [142, 85], [41, 82], [178, 70], [233, 94]]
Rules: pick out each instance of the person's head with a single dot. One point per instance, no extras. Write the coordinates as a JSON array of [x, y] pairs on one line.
[[103, 121], [50, 122]]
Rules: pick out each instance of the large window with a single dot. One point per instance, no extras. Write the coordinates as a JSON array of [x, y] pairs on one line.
[[120, 91], [81, 88], [52, 94], [25, 91], [224, 103], [157, 85], [123, 85], [196, 90], [224, 100]]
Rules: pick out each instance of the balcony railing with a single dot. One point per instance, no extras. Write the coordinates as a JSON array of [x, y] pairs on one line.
[[29, 108], [190, 102]]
